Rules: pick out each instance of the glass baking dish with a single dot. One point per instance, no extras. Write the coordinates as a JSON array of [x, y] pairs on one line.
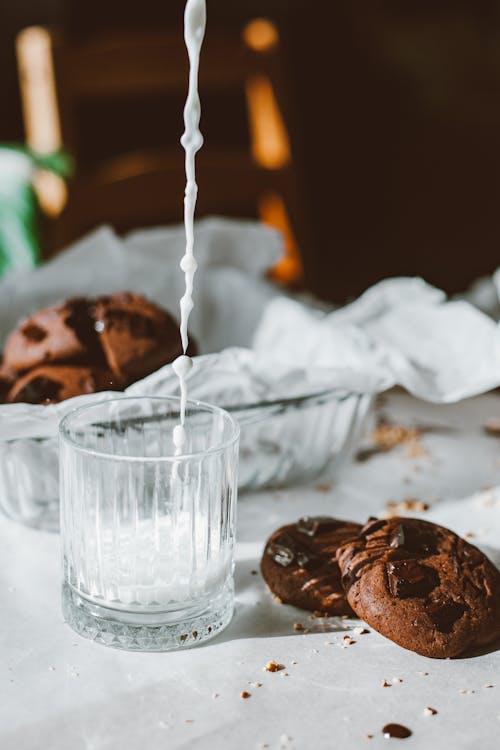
[[283, 442]]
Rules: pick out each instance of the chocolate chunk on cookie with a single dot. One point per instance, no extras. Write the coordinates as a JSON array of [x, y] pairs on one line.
[[54, 383], [137, 336], [422, 586], [299, 564], [64, 333]]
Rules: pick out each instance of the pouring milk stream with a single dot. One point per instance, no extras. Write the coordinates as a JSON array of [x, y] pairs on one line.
[[192, 141]]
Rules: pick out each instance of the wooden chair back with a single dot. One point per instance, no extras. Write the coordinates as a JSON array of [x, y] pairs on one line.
[[144, 186]]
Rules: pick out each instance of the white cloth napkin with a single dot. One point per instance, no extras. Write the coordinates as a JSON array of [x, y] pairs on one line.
[[400, 332]]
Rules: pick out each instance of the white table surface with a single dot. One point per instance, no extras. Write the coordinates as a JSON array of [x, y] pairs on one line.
[[60, 692]]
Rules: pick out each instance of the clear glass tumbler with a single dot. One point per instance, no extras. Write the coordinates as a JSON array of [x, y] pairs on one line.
[[147, 535]]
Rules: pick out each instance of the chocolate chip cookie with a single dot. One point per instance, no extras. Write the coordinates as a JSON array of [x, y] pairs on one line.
[[137, 336], [422, 586], [299, 564], [54, 383], [63, 334], [86, 345], [7, 379]]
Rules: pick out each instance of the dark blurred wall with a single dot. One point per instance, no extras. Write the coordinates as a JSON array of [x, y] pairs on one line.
[[408, 182], [395, 125]]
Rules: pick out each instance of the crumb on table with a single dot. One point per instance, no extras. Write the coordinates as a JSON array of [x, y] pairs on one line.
[[273, 666]]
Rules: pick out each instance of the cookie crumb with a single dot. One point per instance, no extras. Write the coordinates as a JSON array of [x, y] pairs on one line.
[[385, 684], [323, 487], [245, 695], [416, 450], [215, 695], [298, 626], [466, 692], [424, 674], [294, 662], [360, 631], [469, 535], [255, 684], [253, 572], [492, 426], [347, 640], [488, 686], [397, 679], [387, 436], [411, 504], [369, 736], [188, 721], [273, 666], [429, 711]]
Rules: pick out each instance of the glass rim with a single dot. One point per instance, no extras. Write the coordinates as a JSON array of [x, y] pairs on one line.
[[203, 405]]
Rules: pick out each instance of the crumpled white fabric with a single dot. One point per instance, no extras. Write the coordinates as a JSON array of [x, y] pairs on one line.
[[259, 344], [230, 295], [232, 256], [400, 332]]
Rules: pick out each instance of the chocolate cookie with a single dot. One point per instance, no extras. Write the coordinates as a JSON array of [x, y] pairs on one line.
[[64, 333], [137, 336], [299, 564], [7, 378], [54, 383], [123, 333], [422, 586]]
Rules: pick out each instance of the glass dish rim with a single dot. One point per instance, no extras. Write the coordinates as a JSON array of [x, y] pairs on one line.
[[340, 394], [182, 457]]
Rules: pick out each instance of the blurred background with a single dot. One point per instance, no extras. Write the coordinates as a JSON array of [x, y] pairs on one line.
[[367, 130]]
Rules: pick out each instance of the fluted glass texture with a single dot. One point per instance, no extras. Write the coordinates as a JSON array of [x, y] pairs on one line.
[[147, 536]]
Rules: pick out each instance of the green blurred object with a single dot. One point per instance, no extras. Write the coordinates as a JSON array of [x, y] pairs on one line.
[[19, 210]]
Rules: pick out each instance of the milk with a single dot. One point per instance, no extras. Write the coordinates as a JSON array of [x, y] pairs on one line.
[[192, 141]]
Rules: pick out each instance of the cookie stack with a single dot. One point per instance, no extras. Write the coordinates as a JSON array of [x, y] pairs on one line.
[[415, 582], [86, 345]]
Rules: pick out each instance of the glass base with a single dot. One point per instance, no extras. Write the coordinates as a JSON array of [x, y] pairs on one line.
[[147, 632]]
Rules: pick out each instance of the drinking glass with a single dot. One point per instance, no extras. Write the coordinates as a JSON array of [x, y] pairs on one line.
[[148, 535]]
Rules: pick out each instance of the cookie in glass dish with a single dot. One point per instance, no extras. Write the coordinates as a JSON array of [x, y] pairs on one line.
[[85, 346], [7, 378], [50, 384], [136, 336], [62, 333]]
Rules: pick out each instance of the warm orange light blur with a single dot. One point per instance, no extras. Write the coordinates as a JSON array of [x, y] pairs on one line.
[[261, 35], [270, 147], [272, 211], [269, 138], [51, 192], [38, 89], [41, 117]]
